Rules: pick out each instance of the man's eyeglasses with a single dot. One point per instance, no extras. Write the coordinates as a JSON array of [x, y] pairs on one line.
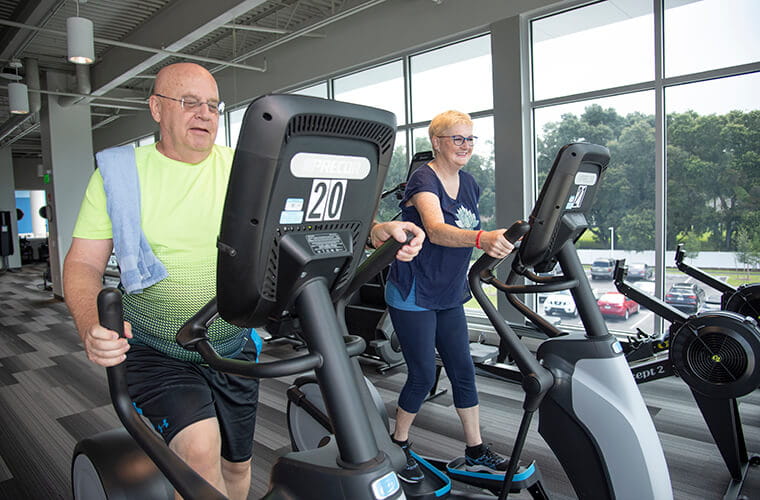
[[458, 140], [189, 104]]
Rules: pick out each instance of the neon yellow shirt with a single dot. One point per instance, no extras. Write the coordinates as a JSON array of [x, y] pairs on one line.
[[181, 208]]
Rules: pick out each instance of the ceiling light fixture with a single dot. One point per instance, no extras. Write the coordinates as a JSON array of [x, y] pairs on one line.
[[80, 38], [18, 94], [18, 98]]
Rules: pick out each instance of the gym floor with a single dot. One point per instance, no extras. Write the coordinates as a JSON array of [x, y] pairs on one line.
[[51, 396]]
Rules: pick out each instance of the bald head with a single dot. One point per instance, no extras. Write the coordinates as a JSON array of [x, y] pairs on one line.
[[187, 133], [179, 75]]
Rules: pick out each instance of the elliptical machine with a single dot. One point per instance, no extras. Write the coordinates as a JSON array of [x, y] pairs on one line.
[[310, 427], [294, 225], [592, 415], [591, 412]]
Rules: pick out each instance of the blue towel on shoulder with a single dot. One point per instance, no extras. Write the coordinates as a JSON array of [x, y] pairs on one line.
[[139, 267]]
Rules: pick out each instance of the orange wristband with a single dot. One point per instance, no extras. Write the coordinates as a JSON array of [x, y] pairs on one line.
[[477, 240]]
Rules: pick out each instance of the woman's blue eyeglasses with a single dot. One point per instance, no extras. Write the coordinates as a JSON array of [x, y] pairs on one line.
[[458, 140]]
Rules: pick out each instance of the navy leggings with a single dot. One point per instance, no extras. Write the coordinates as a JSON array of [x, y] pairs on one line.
[[420, 334]]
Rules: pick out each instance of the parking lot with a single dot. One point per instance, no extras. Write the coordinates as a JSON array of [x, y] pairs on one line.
[[644, 319]]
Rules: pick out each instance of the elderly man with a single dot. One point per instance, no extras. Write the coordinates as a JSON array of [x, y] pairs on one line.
[[206, 417]]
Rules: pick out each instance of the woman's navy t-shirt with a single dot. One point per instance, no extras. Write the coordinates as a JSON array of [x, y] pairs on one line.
[[439, 273]]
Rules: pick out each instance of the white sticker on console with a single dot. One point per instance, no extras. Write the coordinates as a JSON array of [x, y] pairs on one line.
[[326, 166], [585, 178]]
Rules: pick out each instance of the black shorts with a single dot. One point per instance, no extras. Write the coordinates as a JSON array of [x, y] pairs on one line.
[[173, 394]]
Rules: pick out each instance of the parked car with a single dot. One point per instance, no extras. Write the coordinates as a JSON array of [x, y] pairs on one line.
[[640, 271], [712, 303], [603, 269], [560, 303], [687, 297], [616, 304]]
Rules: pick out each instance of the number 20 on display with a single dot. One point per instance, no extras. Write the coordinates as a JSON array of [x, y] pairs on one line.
[[326, 199]]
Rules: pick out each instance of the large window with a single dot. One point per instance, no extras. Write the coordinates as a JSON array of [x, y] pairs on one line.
[[415, 88], [380, 87], [596, 78], [709, 34], [420, 85], [713, 179], [603, 45], [317, 90], [457, 77]]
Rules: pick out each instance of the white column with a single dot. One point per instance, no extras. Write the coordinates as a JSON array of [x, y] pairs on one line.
[[67, 152]]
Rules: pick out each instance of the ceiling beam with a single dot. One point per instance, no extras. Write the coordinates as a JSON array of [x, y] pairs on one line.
[[13, 40], [173, 28], [152, 50]]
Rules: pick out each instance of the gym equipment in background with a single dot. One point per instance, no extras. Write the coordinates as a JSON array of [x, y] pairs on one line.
[[744, 300], [717, 354]]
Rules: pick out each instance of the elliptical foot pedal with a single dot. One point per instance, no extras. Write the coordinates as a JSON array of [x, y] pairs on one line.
[[482, 353], [434, 485], [526, 478]]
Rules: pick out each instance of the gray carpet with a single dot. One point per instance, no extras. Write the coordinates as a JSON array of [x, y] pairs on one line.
[[51, 396]]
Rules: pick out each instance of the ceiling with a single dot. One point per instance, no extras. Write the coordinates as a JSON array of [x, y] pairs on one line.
[[136, 38]]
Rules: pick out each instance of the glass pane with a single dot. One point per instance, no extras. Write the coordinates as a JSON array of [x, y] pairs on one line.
[[393, 188], [148, 139], [709, 34], [318, 90], [221, 136], [381, 87], [457, 76], [236, 121], [603, 45], [622, 218], [481, 166], [714, 182], [420, 140]]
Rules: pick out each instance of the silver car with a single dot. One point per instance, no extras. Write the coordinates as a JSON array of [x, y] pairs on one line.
[[561, 304]]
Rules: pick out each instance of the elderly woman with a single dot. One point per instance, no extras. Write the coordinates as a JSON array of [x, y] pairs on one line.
[[426, 296]]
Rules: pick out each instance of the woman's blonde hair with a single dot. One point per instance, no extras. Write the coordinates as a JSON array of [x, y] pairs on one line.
[[444, 121]]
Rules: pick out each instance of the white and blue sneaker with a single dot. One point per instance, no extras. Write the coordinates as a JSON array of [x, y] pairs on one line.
[[487, 461]]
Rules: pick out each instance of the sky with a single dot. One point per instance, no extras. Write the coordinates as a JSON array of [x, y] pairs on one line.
[[699, 36]]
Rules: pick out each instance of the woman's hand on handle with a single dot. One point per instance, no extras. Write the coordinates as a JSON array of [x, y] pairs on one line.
[[495, 244]]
